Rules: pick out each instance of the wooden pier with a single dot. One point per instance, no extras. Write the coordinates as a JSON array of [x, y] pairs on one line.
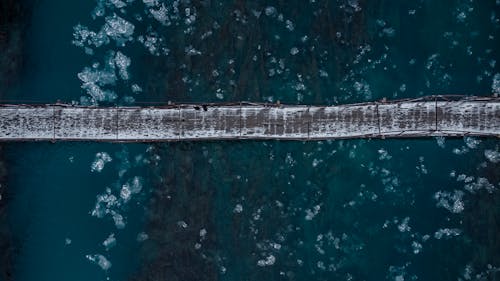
[[425, 117]]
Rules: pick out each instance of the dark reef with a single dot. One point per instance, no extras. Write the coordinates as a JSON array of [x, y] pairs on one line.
[[333, 34], [179, 212], [482, 221], [185, 194]]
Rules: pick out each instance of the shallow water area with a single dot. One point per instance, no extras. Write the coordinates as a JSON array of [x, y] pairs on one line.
[[51, 211]]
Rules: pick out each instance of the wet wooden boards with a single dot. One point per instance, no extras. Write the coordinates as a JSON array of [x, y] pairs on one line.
[[61, 122]]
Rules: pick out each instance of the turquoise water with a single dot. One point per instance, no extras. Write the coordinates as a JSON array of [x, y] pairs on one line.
[[423, 209], [51, 210]]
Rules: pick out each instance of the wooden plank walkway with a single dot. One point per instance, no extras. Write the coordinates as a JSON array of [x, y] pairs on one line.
[[426, 117]]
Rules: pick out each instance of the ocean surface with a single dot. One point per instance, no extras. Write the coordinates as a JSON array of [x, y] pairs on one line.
[[422, 209]]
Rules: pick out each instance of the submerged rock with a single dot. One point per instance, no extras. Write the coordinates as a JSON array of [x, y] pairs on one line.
[[179, 244]]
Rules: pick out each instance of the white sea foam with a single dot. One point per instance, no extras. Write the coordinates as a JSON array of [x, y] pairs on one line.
[[154, 44], [441, 141], [191, 51], [383, 154], [83, 37], [125, 192], [404, 225], [136, 184], [268, 261], [110, 242], [316, 162], [270, 11], [492, 155], [238, 208], [122, 63], [118, 29], [354, 4], [104, 204], [111, 204], [136, 89], [311, 213], [460, 151], [118, 219], [432, 61], [471, 142], [495, 85], [101, 158], [99, 10], [132, 187], [160, 14], [203, 233], [452, 202], [417, 247], [447, 233], [118, 3], [150, 3], [94, 78], [323, 73], [100, 260], [398, 273], [115, 28], [97, 94], [142, 236], [362, 87], [480, 183]]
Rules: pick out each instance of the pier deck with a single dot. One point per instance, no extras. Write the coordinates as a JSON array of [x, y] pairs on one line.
[[405, 118]]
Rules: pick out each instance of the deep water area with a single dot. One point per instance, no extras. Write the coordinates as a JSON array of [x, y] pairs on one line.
[[362, 209]]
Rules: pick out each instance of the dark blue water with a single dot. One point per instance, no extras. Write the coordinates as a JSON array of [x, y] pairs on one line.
[[249, 210], [52, 208]]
